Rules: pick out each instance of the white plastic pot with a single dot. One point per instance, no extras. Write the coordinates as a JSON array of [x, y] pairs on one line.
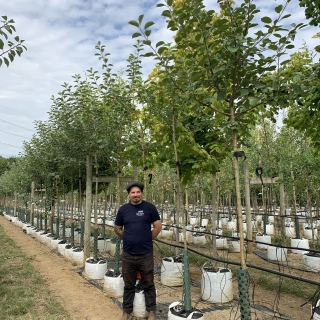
[[234, 246], [277, 253], [176, 307], [61, 247], [266, 239], [216, 285], [54, 243], [270, 229], [204, 222], [78, 256], [312, 261], [171, 272], [221, 243], [113, 284], [199, 239], [224, 222], [299, 243], [167, 234], [68, 251], [193, 220], [139, 305], [290, 232], [308, 234], [95, 269], [231, 225]]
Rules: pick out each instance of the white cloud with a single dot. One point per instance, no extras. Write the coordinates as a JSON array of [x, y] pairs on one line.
[[61, 37]]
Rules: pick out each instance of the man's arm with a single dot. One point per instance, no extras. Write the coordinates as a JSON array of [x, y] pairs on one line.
[[157, 227], [118, 230]]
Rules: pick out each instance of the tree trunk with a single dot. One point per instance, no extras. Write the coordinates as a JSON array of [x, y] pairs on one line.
[[87, 228], [214, 215]]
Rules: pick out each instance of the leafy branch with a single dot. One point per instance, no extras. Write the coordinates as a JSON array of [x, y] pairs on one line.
[[10, 49]]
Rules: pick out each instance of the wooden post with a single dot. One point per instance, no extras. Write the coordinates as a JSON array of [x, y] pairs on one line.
[[214, 215], [87, 226], [248, 207]]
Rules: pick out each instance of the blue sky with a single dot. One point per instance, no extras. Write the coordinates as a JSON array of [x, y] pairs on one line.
[[61, 36]]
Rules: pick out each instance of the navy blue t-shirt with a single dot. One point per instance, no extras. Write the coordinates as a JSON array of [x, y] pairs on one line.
[[136, 221]]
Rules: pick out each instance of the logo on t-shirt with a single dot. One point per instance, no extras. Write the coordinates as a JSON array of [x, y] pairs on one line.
[[140, 213]]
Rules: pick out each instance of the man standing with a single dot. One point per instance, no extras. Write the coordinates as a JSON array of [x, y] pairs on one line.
[[133, 225]]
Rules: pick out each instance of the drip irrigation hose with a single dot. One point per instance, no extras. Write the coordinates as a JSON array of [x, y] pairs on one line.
[[249, 265], [254, 241]]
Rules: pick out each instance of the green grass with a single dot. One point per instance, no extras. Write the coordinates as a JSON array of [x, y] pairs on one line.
[[23, 292]]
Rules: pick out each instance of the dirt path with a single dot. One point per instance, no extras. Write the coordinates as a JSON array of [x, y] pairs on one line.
[[81, 299]]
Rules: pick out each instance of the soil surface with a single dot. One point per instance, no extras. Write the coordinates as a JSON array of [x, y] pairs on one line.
[[84, 299]]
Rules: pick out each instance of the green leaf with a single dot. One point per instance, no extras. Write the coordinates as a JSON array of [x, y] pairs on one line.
[[147, 42], [169, 2], [166, 13], [254, 101], [233, 49], [278, 8], [148, 24], [0, 62], [160, 5], [160, 43], [148, 54], [221, 95], [140, 18], [266, 19], [244, 91], [134, 23], [1, 44], [136, 34], [161, 50], [6, 61], [147, 32]]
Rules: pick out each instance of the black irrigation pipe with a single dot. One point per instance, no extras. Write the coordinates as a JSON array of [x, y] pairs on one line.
[[247, 240], [249, 265]]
